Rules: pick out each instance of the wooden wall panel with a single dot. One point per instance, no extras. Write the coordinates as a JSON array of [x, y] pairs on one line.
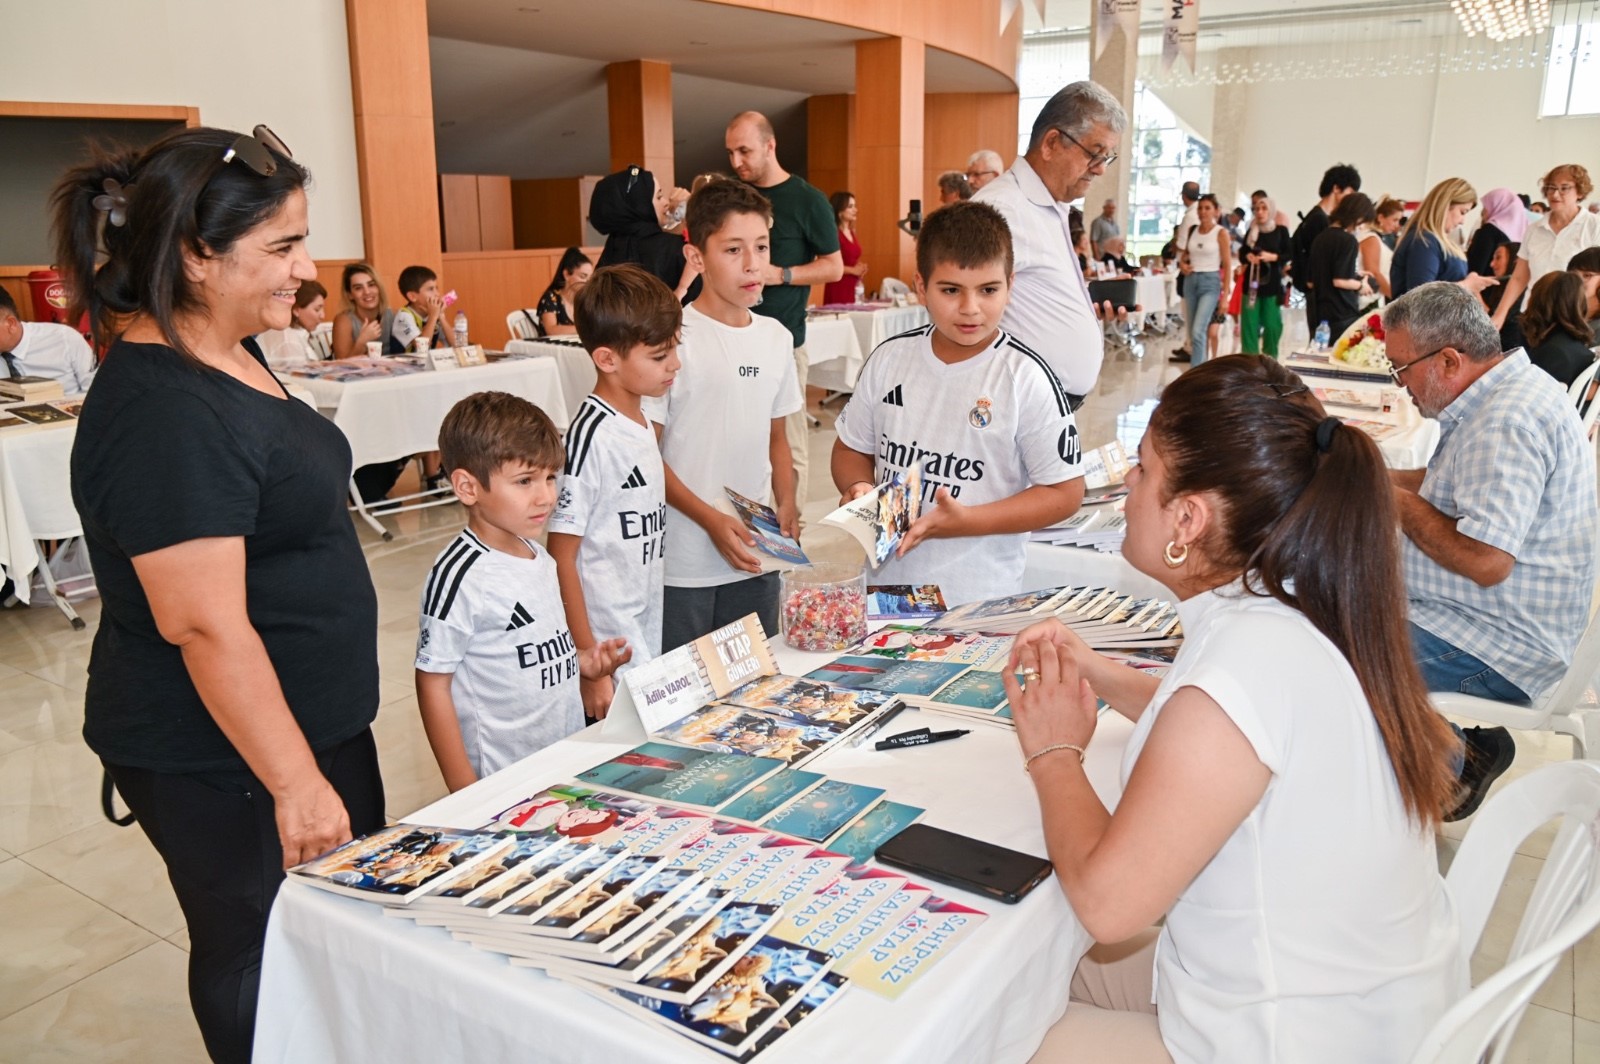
[[494, 283], [958, 124], [189, 116], [14, 279], [639, 110], [549, 212], [494, 213], [888, 152], [458, 212]]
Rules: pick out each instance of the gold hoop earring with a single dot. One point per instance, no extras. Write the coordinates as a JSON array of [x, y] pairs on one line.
[[1174, 560]]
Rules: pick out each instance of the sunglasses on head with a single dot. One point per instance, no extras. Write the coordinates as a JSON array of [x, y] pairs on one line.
[[255, 149]]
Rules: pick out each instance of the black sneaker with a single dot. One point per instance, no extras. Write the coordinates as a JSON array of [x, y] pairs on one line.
[[1178, 356], [1489, 753]]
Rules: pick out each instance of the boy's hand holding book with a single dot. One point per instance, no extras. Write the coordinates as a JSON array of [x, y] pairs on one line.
[[788, 519], [856, 490], [732, 540], [947, 519]]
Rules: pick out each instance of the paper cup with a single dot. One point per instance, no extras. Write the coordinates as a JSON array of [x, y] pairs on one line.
[[374, 348], [421, 345]]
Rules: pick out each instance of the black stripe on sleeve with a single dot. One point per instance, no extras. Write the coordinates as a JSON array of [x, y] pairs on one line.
[[444, 611]]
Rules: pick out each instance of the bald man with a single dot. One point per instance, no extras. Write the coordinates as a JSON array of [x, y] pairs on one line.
[[805, 251]]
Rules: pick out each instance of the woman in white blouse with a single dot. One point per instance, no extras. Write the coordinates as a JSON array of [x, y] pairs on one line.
[[1557, 235], [1284, 778]]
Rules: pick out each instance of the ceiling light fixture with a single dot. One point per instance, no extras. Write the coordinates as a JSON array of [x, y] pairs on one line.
[[1502, 20]]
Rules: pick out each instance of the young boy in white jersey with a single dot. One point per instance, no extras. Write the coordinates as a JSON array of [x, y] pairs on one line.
[[497, 669], [607, 531], [420, 316], [982, 416], [721, 423]]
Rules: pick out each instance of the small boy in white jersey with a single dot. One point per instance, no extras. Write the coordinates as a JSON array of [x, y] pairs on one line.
[[497, 667], [608, 529], [983, 417]]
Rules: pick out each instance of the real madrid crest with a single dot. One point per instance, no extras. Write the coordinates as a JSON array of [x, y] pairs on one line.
[[980, 415]]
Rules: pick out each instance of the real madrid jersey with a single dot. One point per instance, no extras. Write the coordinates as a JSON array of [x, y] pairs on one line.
[[495, 621], [614, 495], [985, 428]]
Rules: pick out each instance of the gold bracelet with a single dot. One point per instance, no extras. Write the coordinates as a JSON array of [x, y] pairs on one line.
[[1027, 765]]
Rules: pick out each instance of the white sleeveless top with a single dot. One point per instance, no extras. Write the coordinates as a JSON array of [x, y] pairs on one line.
[[1321, 931], [1205, 249]]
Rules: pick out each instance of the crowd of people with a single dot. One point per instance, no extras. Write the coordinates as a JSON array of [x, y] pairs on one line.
[[234, 677]]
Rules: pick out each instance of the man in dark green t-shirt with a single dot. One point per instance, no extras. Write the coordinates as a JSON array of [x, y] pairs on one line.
[[805, 251]]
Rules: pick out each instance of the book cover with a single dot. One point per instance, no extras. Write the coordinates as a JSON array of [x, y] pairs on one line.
[[724, 845], [29, 386], [40, 414], [975, 689], [887, 674], [776, 790], [599, 896], [735, 730], [823, 992], [890, 964], [820, 870], [879, 519], [645, 902], [880, 824], [812, 920], [889, 602], [401, 862], [761, 869], [825, 811], [690, 970], [809, 701], [455, 893], [702, 779], [906, 643], [762, 522], [610, 937], [8, 422], [573, 812], [647, 951], [845, 940], [538, 900], [985, 615], [745, 1001], [525, 873]]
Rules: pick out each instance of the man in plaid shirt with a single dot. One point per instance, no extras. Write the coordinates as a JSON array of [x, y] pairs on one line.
[[1500, 529]]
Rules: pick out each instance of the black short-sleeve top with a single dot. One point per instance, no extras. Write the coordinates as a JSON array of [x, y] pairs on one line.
[[166, 452]]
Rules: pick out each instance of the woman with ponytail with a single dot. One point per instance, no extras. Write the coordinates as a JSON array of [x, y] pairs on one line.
[[1284, 778], [234, 673]]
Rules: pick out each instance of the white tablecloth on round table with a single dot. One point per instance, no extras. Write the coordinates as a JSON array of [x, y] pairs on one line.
[[341, 981], [1156, 293], [573, 365], [1412, 446], [833, 349], [393, 417], [35, 496]]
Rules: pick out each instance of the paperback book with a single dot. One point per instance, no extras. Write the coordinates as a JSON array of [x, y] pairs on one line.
[[825, 811], [42, 413], [770, 794], [697, 778], [761, 521], [889, 602], [881, 823], [890, 964], [400, 863]]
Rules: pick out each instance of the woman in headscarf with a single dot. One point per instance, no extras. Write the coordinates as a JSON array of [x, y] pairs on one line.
[[1265, 252], [1493, 249], [630, 208]]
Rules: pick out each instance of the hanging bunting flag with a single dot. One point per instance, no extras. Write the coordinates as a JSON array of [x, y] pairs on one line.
[[1111, 13], [1178, 32]]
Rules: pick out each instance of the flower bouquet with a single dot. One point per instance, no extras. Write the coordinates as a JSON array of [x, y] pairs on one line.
[[1362, 344]]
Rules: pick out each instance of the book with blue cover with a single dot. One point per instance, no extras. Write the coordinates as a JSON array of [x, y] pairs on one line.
[[825, 811], [697, 778]]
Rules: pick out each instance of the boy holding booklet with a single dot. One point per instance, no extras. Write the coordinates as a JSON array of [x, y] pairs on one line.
[[497, 669], [983, 418], [608, 528], [722, 424]]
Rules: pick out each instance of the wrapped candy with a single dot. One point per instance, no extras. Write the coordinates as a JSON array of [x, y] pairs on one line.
[[824, 608]]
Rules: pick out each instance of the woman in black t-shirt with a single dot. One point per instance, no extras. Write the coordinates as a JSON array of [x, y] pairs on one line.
[[1556, 328], [554, 311], [234, 673], [1335, 273]]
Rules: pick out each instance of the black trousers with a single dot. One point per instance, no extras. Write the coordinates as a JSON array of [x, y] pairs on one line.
[[687, 613], [217, 833]]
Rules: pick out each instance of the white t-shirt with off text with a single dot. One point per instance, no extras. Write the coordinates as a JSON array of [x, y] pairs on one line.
[[496, 622], [717, 421], [613, 493], [985, 428]]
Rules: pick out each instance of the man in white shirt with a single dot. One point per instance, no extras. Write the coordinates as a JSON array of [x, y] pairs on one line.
[[983, 167], [1104, 228], [1074, 139], [44, 349]]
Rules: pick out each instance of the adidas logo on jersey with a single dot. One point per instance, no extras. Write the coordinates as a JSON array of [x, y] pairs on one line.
[[635, 479], [519, 617], [894, 398]]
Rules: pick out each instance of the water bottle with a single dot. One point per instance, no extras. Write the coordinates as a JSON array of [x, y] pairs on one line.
[[461, 329], [1321, 340], [861, 291]]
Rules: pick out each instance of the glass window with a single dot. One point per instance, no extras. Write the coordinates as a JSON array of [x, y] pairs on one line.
[[1164, 156], [1572, 73]]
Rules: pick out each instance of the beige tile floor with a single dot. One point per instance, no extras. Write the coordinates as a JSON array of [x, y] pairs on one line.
[[92, 945]]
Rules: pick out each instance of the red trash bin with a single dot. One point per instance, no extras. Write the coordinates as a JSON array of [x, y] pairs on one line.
[[50, 299]]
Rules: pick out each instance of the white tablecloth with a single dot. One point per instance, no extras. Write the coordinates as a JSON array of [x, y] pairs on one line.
[[573, 365], [833, 348], [35, 497], [394, 417], [341, 981], [1412, 446], [1156, 293]]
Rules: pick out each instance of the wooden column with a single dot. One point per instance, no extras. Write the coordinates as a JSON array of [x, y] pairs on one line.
[[960, 123], [1114, 71], [393, 95], [830, 143], [888, 151], [639, 107]]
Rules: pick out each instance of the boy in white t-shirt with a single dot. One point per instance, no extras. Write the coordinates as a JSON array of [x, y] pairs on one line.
[[721, 424], [608, 528], [983, 417], [420, 316], [497, 668]]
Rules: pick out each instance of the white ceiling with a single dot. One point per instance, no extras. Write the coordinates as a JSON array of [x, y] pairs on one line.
[[1253, 23], [519, 85]]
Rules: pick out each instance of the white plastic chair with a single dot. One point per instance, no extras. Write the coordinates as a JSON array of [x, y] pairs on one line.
[[890, 287], [1564, 907], [1559, 712], [1589, 411], [523, 324]]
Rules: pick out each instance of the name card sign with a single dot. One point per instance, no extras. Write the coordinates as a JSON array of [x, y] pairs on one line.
[[664, 690], [442, 358], [471, 355]]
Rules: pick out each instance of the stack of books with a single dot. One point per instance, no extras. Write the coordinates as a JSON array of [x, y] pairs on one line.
[[34, 389], [1101, 528], [721, 931], [356, 369]]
